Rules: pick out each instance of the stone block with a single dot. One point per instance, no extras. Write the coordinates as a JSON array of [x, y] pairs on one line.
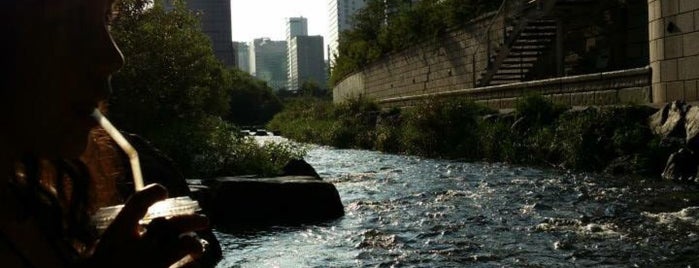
[[587, 98], [660, 49], [655, 70], [561, 99], [656, 29], [659, 94], [606, 97], [673, 47], [696, 20], [654, 11], [635, 95], [674, 91], [668, 70], [691, 44], [689, 68], [690, 90], [685, 21], [669, 7], [688, 5]]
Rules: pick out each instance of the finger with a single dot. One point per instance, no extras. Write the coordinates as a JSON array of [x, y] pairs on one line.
[[183, 251], [137, 206], [175, 227]]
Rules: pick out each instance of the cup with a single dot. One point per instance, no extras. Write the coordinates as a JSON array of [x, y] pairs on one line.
[[174, 206]]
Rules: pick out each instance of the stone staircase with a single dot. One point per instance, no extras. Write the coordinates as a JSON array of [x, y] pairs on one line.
[[529, 34]]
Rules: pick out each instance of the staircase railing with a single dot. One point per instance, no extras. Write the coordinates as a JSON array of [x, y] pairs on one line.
[[531, 10], [500, 10]]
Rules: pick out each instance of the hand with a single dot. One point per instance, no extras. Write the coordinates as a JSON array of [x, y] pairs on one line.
[[161, 245]]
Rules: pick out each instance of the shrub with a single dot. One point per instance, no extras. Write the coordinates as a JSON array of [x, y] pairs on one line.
[[443, 128]]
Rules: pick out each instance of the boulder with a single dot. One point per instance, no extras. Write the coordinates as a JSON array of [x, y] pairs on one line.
[[299, 167], [681, 166], [691, 125], [669, 121], [245, 202]]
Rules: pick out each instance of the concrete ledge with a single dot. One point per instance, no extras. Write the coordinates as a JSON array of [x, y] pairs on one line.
[[638, 78]]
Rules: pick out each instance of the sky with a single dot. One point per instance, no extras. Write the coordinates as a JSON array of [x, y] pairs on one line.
[[265, 18]]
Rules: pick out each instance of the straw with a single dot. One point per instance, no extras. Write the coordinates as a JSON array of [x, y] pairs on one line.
[[128, 149]]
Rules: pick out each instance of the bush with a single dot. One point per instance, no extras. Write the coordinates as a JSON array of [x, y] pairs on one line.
[[615, 139], [497, 142], [225, 153], [443, 128], [349, 125], [176, 95]]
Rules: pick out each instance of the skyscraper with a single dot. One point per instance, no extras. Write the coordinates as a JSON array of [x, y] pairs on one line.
[[306, 63], [340, 13], [215, 18], [295, 27], [242, 56], [268, 62]]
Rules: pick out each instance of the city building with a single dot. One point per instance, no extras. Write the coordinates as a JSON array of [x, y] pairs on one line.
[[242, 56], [340, 16], [294, 27], [306, 62], [215, 16], [268, 61]]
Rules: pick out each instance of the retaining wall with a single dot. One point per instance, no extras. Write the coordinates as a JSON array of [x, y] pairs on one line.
[[618, 87]]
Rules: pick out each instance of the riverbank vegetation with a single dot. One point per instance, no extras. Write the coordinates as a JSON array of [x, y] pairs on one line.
[[616, 140], [175, 93], [382, 27]]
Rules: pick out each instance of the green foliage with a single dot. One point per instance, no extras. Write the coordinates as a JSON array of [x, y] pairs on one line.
[[591, 139], [171, 72], [612, 139], [537, 111], [319, 121], [446, 128], [383, 27], [174, 92], [252, 102], [389, 132], [235, 155], [305, 120], [498, 142]]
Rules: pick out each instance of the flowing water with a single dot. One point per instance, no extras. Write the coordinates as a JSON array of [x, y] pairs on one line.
[[405, 211]]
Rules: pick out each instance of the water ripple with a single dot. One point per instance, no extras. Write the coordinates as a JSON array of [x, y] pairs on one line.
[[405, 211]]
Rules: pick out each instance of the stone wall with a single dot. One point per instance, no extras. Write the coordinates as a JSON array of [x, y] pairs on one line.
[[618, 87], [674, 49], [443, 64], [350, 87]]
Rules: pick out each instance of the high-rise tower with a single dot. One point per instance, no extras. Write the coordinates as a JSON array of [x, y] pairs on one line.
[[215, 16], [340, 15]]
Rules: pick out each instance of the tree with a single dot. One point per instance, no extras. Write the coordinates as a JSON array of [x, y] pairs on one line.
[[171, 71], [172, 88], [252, 101]]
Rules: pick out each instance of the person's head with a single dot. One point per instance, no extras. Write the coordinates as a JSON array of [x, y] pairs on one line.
[[60, 56]]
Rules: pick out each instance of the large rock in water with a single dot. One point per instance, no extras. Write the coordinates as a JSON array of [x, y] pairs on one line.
[[681, 166], [246, 202], [691, 125], [669, 121]]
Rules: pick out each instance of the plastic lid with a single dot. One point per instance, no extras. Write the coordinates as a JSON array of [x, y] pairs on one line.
[[169, 207]]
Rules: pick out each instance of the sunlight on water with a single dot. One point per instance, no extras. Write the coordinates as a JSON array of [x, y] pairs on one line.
[[416, 212]]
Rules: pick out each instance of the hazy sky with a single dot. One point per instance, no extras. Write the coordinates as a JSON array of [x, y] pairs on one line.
[[265, 18]]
